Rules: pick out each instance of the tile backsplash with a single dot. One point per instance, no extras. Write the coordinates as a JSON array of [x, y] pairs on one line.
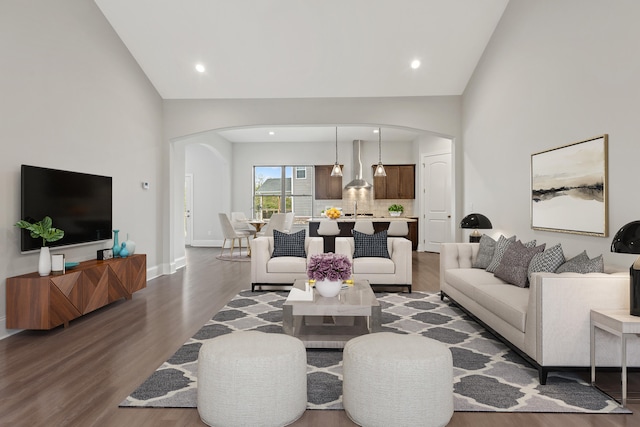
[[366, 204]]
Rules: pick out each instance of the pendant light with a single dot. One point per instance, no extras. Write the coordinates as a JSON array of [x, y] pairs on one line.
[[337, 170], [380, 168]]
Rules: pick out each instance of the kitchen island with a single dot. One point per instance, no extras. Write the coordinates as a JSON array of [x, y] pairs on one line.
[[346, 223]]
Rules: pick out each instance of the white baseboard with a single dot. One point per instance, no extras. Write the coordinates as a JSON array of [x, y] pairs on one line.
[[4, 332]]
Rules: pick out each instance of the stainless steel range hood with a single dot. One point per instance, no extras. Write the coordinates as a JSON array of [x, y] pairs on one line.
[[357, 182]]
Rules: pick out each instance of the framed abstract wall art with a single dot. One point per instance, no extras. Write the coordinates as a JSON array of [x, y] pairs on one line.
[[569, 188]]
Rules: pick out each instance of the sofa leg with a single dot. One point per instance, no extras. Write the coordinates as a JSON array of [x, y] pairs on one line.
[[542, 375]]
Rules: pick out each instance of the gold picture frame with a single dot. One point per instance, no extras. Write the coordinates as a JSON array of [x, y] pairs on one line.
[[569, 191]]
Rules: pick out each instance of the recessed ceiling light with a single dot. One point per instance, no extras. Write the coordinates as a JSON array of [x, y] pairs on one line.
[[271, 132], [415, 64], [376, 131], [200, 68]]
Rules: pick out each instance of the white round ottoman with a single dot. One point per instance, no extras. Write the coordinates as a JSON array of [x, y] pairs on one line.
[[252, 379], [397, 380]]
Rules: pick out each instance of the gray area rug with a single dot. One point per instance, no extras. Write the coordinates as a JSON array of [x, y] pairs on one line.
[[488, 376]]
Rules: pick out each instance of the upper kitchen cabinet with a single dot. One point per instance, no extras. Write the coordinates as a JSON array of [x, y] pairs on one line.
[[327, 187], [399, 183]]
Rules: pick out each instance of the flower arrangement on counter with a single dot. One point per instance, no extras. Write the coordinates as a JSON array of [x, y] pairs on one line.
[[329, 266]]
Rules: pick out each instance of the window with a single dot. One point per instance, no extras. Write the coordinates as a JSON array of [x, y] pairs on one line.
[[275, 191]]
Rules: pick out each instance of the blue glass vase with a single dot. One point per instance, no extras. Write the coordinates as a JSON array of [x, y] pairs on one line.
[[123, 250], [116, 246]]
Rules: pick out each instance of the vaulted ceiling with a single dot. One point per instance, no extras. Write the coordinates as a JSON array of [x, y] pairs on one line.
[[305, 48]]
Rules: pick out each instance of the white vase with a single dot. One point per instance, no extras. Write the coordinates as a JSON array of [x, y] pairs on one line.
[[44, 263], [328, 288], [394, 213]]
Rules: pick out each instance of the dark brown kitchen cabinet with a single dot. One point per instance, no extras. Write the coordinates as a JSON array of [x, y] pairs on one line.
[[398, 184], [327, 187]]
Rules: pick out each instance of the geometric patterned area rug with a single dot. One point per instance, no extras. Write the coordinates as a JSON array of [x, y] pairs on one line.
[[488, 376]]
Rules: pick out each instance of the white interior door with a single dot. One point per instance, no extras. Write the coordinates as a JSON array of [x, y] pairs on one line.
[[188, 209], [436, 225]]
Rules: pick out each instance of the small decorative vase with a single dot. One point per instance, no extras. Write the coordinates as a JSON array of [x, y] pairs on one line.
[[44, 263], [131, 245], [123, 250], [393, 213], [116, 245], [328, 288]]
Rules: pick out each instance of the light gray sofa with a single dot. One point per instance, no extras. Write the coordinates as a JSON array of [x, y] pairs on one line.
[[280, 270], [547, 323], [395, 271]]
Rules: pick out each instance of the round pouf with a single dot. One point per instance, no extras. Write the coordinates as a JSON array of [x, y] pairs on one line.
[[397, 380], [250, 378]]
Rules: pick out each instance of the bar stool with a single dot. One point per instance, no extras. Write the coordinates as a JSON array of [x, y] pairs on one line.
[[364, 226], [328, 230], [398, 228]]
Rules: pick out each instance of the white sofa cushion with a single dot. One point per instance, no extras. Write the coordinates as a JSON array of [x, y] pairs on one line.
[[373, 265], [507, 302], [287, 264], [466, 280]]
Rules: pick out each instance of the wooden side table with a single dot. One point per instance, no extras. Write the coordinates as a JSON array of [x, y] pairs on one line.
[[619, 323]]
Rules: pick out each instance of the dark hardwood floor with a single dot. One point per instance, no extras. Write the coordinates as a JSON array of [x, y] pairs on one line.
[[78, 376]]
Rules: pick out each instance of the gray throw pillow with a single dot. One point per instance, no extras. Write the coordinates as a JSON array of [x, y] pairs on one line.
[[485, 252], [547, 261], [501, 246], [289, 244], [370, 245], [582, 264], [515, 263]]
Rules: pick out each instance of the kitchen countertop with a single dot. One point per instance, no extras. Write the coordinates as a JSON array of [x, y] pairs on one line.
[[370, 218]]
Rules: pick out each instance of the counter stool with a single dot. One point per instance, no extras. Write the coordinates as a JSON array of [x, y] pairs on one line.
[[397, 380], [364, 226], [398, 228], [250, 378], [328, 230]]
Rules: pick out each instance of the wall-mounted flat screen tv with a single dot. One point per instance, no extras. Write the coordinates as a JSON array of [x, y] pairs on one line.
[[78, 203]]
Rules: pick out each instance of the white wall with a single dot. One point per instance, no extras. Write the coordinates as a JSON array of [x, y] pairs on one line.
[[554, 73], [73, 98], [183, 118], [208, 158]]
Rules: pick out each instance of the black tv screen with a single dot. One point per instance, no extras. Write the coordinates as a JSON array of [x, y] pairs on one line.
[[78, 203]]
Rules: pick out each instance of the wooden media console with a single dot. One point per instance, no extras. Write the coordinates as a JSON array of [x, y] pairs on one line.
[[45, 302]]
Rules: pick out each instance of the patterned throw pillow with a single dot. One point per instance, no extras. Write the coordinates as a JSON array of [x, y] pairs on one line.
[[582, 264], [515, 263], [370, 245], [501, 246], [547, 261], [289, 244], [485, 252]]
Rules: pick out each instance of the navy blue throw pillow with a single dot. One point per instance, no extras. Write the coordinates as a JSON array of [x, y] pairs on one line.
[[289, 244], [370, 245]]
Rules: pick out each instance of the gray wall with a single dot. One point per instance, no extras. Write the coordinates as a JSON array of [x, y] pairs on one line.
[[554, 73], [73, 98]]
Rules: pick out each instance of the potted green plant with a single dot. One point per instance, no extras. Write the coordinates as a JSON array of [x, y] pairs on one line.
[[44, 230], [396, 210]]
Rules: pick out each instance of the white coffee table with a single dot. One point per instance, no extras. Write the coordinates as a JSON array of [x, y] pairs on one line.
[[330, 322]]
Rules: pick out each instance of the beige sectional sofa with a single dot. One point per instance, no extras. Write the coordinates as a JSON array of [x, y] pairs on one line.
[[548, 322]]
